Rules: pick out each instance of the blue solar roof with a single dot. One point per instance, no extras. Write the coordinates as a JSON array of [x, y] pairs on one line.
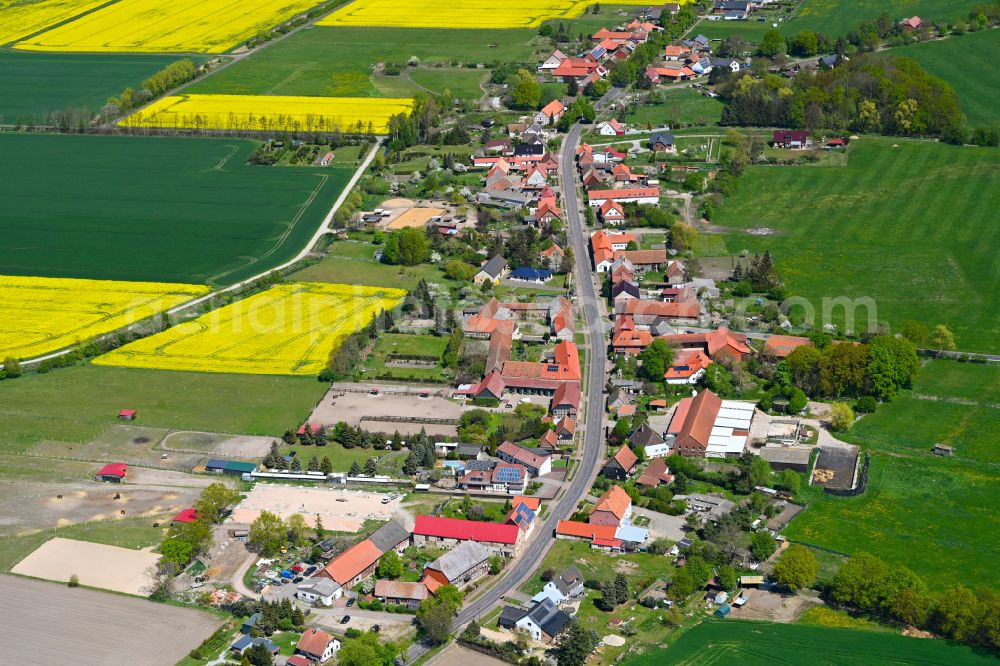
[[508, 474], [528, 273], [523, 516]]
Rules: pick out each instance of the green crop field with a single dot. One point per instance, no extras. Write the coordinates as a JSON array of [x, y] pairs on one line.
[[76, 404], [976, 80], [339, 62], [767, 644], [33, 85], [155, 209], [910, 227]]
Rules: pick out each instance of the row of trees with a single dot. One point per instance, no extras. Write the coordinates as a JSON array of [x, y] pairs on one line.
[[894, 592], [879, 368], [343, 359]]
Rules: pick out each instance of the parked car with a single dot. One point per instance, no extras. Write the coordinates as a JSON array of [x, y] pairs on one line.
[[350, 602], [345, 619], [310, 571], [297, 579]]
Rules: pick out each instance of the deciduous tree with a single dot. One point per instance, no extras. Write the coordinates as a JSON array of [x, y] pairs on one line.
[[796, 568]]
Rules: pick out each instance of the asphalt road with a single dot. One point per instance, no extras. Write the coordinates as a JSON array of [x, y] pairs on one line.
[[593, 391]]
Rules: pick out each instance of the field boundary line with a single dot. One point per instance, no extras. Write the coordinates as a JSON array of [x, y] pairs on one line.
[[324, 229]]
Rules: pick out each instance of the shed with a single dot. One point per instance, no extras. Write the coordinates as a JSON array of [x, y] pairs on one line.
[[185, 516], [113, 472], [127, 414], [943, 450], [234, 467], [723, 610]]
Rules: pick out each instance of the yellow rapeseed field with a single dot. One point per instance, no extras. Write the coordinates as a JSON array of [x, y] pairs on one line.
[[461, 14], [269, 112], [20, 18], [289, 329], [163, 26], [42, 315]]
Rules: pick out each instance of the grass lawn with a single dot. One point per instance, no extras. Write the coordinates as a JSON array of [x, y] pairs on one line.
[[33, 85], [389, 344], [596, 564], [153, 208], [680, 107], [348, 263], [463, 83], [952, 403], [127, 533], [76, 404], [710, 245], [911, 228], [338, 61], [976, 82], [342, 458], [768, 644]]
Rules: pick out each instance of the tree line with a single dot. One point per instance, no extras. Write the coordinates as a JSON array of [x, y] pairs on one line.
[[869, 93]]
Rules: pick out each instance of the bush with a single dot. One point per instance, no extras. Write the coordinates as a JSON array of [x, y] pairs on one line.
[[74, 581], [866, 404]]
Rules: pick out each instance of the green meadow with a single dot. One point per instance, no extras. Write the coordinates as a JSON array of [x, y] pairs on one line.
[[341, 62], [76, 404], [957, 404], [968, 64], [153, 208], [936, 515], [33, 85], [835, 18], [909, 225]]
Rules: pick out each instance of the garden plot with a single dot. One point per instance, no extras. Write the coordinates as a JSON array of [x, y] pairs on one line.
[[340, 510], [96, 564]]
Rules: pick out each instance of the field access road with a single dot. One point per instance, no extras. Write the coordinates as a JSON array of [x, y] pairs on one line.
[[593, 393]]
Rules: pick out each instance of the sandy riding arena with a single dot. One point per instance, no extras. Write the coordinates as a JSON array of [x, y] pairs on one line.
[[45, 623], [340, 510], [97, 565]]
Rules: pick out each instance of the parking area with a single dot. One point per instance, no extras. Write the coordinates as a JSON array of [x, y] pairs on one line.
[[660, 525]]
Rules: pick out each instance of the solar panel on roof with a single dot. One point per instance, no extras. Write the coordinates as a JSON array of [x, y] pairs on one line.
[[553, 368], [509, 474]]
